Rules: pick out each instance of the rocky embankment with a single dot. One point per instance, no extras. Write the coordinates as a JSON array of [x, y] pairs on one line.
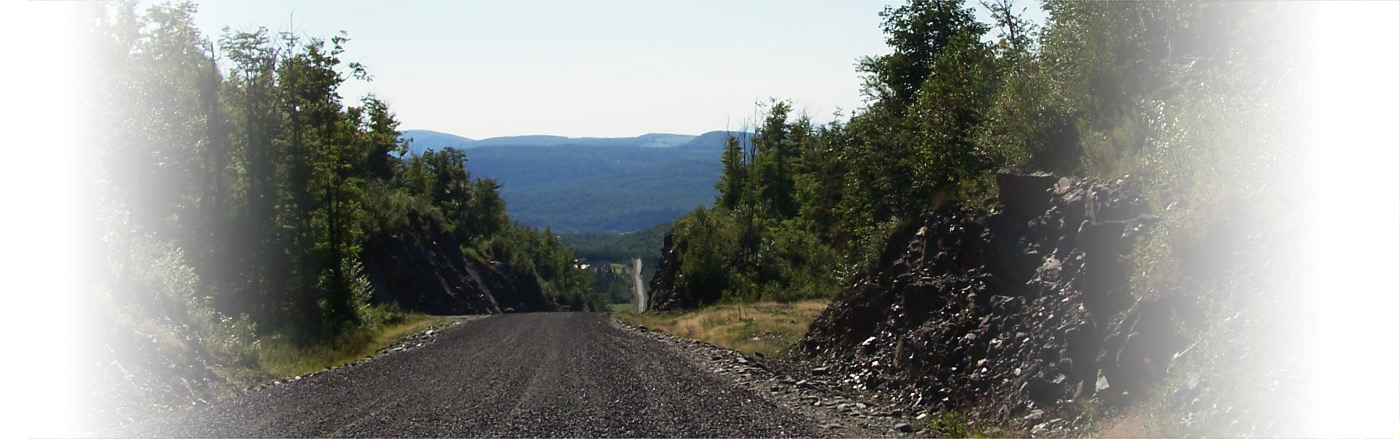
[[666, 294], [1007, 316], [427, 272]]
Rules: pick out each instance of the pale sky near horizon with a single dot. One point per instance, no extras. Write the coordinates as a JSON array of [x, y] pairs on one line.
[[484, 69]]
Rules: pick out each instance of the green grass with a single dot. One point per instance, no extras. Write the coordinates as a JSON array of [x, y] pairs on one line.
[[280, 358], [958, 424], [767, 328]]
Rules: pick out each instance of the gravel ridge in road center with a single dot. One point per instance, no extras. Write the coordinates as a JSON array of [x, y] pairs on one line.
[[517, 375]]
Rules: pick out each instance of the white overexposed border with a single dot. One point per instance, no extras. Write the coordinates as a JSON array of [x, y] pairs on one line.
[[1353, 298]]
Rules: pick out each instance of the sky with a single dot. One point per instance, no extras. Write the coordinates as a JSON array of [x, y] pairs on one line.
[[596, 69], [484, 69]]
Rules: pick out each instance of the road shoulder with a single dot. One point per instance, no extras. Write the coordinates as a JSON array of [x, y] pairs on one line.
[[837, 412]]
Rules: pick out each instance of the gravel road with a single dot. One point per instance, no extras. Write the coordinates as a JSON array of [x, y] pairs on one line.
[[637, 290], [536, 375]]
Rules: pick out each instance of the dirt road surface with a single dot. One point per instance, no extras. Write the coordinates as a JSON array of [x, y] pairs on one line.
[[535, 375]]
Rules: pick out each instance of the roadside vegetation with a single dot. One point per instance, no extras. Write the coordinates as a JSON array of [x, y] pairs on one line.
[[770, 329], [282, 360], [234, 192], [1162, 95], [1193, 104]]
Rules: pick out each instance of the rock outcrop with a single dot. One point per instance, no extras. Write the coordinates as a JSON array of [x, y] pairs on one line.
[[513, 293], [666, 294], [426, 271], [1011, 314]]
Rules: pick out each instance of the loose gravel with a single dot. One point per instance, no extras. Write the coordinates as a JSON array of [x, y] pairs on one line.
[[533, 375]]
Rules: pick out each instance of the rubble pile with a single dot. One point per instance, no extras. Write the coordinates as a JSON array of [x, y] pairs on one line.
[[1009, 316]]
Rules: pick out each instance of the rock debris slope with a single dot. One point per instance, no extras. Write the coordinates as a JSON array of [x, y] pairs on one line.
[[427, 272], [1007, 315]]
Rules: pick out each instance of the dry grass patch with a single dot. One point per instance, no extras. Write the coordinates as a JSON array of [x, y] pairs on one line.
[[766, 328]]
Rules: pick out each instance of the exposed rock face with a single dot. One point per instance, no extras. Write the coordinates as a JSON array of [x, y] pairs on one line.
[[1005, 312], [427, 272], [513, 293], [666, 295]]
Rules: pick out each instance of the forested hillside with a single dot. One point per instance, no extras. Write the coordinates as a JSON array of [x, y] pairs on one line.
[[247, 215], [598, 189], [592, 185], [424, 140]]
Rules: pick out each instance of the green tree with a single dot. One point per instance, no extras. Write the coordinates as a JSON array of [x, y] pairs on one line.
[[915, 33], [251, 96], [733, 179]]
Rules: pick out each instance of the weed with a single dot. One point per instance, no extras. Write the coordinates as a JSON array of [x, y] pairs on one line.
[[280, 358], [954, 424]]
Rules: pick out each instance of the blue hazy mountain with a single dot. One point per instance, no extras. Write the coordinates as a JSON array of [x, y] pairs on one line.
[[432, 140], [592, 185]]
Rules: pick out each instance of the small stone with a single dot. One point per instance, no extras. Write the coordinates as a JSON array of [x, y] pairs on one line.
[[743, 360], [1035, 415], [1038, 429], [904, 427], [820, 371], [833, 425]]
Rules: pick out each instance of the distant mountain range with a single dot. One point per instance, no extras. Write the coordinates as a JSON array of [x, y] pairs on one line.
[[592, 185], [429, 140]]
